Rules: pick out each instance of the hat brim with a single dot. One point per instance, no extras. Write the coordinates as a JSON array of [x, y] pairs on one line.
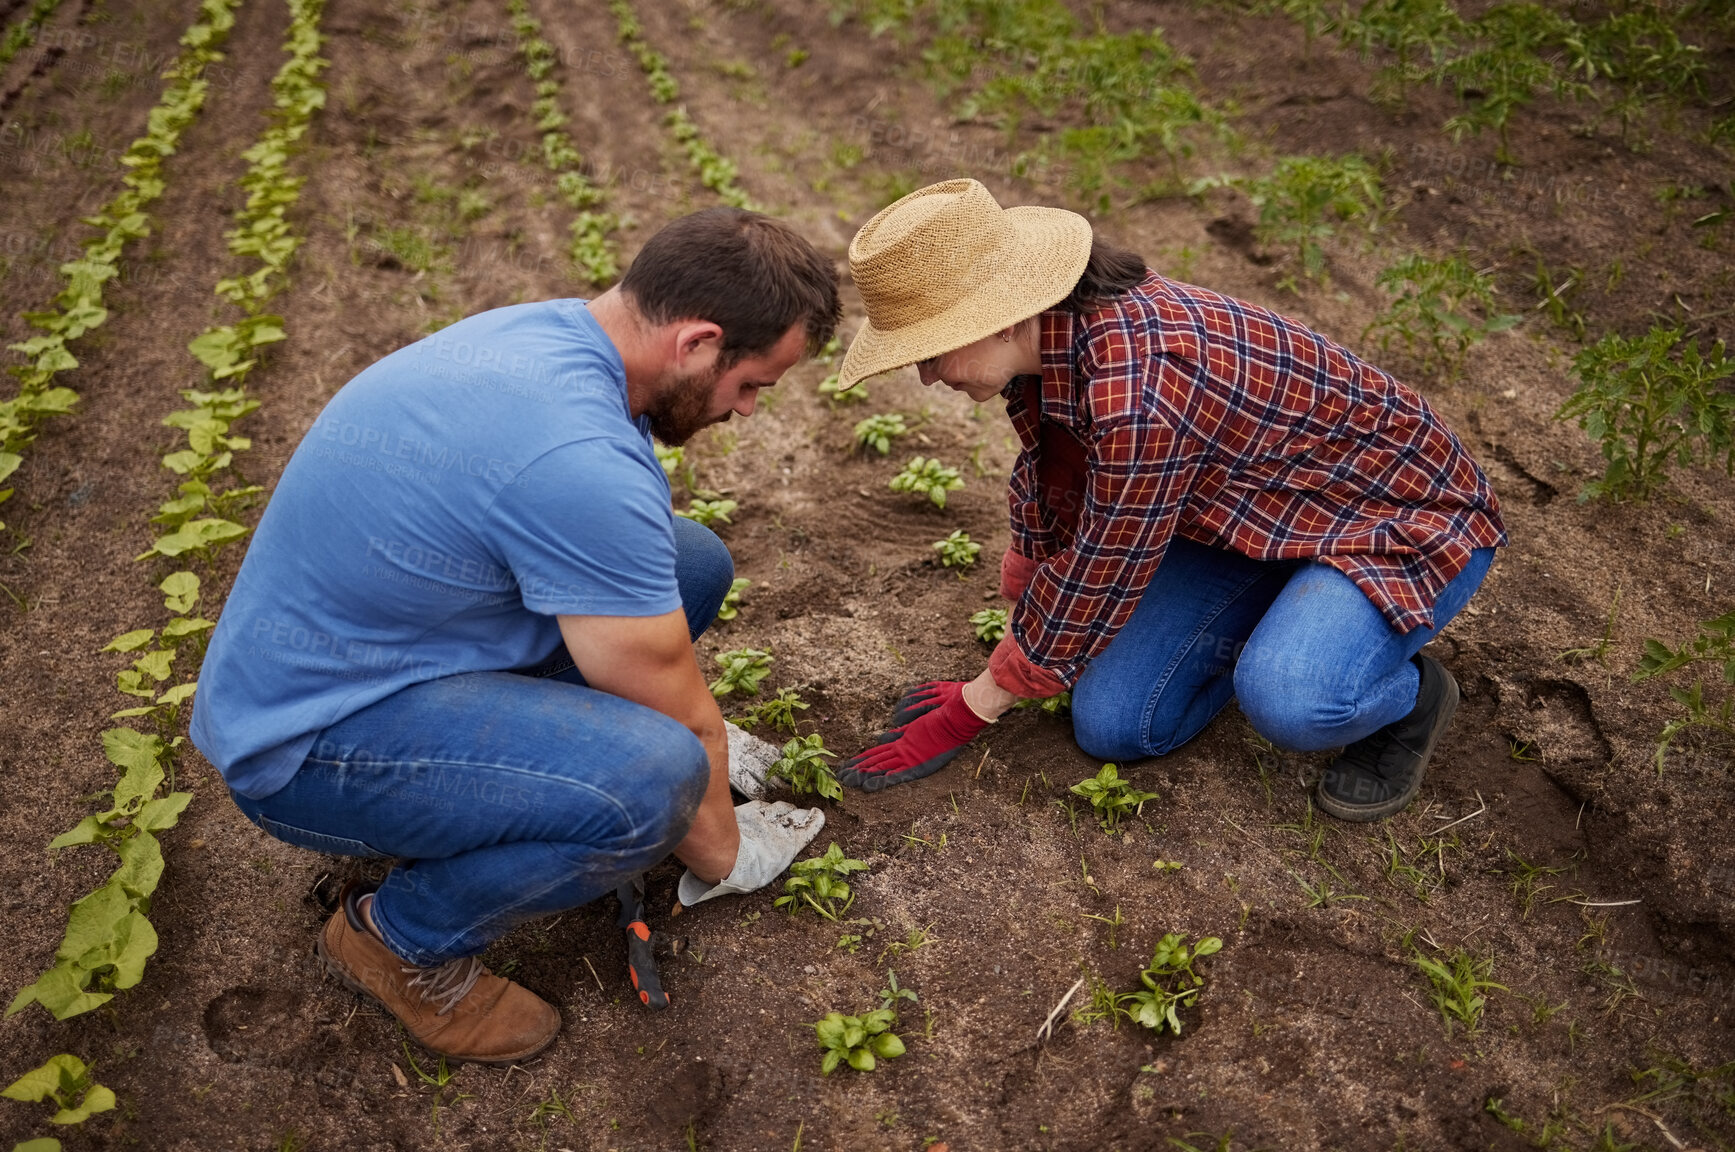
[[1041, 270]]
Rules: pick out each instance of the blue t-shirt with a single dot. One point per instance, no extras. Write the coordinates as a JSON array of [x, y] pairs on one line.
[[449, 502]]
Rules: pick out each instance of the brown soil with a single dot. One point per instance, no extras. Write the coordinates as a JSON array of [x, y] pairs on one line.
[[1314, 1031]]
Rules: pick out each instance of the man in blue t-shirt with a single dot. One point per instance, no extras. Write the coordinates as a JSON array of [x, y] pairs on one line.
[[462, 636]]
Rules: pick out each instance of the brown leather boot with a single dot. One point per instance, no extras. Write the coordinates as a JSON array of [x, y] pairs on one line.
[[458, 1009]]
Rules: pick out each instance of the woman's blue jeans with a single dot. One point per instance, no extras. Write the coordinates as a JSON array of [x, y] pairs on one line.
[[507, 795], [1311, 661]]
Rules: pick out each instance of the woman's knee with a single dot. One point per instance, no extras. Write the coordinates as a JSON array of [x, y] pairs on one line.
[[1107, 726], [1294, 705]]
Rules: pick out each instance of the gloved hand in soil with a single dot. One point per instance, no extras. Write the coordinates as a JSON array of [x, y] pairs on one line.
[[930, 726], [750, 758], [772, 836]]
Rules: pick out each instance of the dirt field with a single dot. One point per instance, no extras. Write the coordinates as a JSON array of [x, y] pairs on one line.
[[1602, 891]]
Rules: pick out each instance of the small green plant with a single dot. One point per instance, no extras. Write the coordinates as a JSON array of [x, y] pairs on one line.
[[957, 550], [709, 512], [1456, 986], [1647, 401], [743, 671], [832, 395], [1429, 313], [1303, 200], [1509, 60], [1111, 798], [820, 884], [1599, 650], [878, 431], [1714, 645], [1527, 881], [927, 477], [66, 1083], [858, 1041], [731, 606], [891, 993], [803, 765], [1170, 983], [779, 711], [990, 624]]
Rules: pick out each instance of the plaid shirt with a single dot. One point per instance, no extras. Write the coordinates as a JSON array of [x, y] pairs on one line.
[[1177, 411]]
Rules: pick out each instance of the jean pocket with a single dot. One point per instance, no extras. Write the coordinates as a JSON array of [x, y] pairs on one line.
[[315, 841]]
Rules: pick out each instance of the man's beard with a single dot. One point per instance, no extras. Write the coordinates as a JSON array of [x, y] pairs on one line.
[[681, 406]]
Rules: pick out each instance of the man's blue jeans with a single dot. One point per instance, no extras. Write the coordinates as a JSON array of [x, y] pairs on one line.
[[1311, 661], [507, 795]]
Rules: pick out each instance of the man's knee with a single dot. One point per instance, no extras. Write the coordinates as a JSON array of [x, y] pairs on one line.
[[669, 779], [705, 570]]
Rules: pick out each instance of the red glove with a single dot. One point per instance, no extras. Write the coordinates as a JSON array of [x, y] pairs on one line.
[[930, 725]]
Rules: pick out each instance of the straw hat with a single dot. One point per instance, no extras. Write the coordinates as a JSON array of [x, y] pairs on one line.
[[946, 266]]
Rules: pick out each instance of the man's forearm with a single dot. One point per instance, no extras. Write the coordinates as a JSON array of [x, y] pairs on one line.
[[714, 839]]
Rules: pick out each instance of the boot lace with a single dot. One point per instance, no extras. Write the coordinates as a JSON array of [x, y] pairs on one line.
[[446, 985]]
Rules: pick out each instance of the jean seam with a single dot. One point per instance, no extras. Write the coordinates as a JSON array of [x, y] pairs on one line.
[[1181, 652]]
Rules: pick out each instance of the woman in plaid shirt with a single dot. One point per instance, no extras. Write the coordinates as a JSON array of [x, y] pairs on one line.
[[1211, 501]]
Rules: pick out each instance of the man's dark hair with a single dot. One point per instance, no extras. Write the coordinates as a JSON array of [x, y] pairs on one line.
[[1110, 271], [753, 276]]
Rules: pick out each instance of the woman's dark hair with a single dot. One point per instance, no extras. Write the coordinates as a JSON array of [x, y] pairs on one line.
[[753, 276], [1110, 271]]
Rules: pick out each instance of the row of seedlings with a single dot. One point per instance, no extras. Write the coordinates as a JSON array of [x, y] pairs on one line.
[[79, 308], [715, 171], [22, 34], [593, 252], [109, 938]]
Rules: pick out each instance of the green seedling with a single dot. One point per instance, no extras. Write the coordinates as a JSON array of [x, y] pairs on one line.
[[1111, 798], [1456, 986], [731, 606], [878, 432], [709, 512], [1599, 650], [1170, 983], [1510, 59], [1527, 881], [990, 624], [957, 550], [914, 939], [1715, 646], [65, 1082], [803, 765], [859, 1041], [1059, 704], [891, 993], [1322, 895], [832, 395], [744, 669], [1554, 299], [819, 884], [1114, 923], [1303, 200], [779, 711], [1650, 400], [1431, 313], [927, 477], [1401, 873], [1161, 865], [1419, 35]]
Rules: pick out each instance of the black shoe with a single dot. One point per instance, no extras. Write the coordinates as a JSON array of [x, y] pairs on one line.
[[1379, 775]]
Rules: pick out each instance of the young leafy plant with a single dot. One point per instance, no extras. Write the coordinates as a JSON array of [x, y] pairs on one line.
[[1510, 59], [878, 431], [927, 477], [1303, 200], [1430, 313], [957, 550], [65, 1082], [1714, 645], [820, 884], [1456, 986], [709, 512], [829, 391], [1170, 983], [779, 711], [743, 670], [1111, 798], [1649, 400], [990, 624], [731, 606], [803, 765], [857, 1040]]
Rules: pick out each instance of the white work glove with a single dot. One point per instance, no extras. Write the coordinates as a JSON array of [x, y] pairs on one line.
[[750, 758], [772, 836]]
